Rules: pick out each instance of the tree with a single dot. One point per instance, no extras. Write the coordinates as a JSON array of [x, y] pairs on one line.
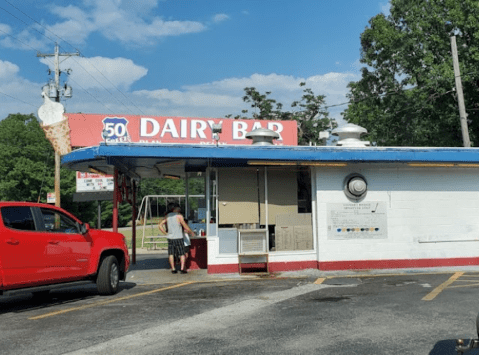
[[26, 159], [124, 214], [311, 116], [406, 93], [27, 166]]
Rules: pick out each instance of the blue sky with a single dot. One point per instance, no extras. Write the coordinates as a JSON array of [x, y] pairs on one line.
[[180, 57]]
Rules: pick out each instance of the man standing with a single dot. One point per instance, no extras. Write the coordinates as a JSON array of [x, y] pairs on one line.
[[175, 223]]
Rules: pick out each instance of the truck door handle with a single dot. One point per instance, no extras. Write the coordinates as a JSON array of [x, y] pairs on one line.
[[13, 241], [52, 241]]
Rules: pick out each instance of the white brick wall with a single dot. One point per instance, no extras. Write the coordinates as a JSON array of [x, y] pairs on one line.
[[424, 205]]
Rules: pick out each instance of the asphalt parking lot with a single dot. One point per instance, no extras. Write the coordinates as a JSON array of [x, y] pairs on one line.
[[408, 312]]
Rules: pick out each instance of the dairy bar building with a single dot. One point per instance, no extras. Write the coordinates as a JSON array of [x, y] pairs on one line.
[[286, 207]]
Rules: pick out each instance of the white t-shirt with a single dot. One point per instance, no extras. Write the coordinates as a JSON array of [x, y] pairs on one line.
[[175, 229]]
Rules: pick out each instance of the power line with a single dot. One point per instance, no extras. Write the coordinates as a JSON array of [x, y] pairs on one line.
[[112, 85], [86, 71], [50, 60], [46, 29], [15, 98], [24, 22], [16, 39], [124, 95]]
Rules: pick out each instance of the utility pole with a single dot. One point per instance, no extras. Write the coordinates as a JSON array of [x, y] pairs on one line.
[[460, 95], [57, 56]]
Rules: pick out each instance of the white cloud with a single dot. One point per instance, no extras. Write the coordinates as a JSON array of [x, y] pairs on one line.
[[166, 97], [4, 29], [214, 99], [331, 83], [16, 93], [8, 70], [23, 40], [219, 98], [127, 22], [99, 72], [72, 31], [260, 81], [69, 12], [385, 8], [220, 17], [281, 85]]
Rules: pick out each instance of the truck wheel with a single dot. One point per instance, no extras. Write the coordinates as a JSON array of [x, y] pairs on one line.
[[108, 278]]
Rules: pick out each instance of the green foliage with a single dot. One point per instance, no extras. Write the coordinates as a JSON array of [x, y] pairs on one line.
[[308, 112], [156, 186], [26, 159], [406, 94], [161, 187], [124, 214], [27, 166]]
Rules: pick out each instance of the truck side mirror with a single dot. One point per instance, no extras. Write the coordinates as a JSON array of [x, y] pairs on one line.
[[85, 227]]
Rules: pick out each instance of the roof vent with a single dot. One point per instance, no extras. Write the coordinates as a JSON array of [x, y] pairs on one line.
[[349, 136], [262, 136]]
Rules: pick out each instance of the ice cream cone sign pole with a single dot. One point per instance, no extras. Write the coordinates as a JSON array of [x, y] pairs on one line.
[[57, 131]]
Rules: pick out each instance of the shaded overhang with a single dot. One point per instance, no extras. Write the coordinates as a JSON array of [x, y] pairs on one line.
[[154, 160]]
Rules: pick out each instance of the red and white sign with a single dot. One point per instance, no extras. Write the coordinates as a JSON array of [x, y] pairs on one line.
[[87, 182], [88, 129], [51, 197]]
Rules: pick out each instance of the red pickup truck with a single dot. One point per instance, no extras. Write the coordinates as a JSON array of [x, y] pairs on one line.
[[44, 247]]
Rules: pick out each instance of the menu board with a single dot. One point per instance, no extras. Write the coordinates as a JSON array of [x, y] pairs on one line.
[[88, 182]]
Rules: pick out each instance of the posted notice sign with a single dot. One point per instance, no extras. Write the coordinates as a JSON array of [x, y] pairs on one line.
[[87, 182], [364, 220]]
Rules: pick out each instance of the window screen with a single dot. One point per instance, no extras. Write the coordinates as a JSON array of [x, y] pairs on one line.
[[18, 217]]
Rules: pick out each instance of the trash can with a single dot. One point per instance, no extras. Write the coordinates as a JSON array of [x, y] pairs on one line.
[[198, 256]]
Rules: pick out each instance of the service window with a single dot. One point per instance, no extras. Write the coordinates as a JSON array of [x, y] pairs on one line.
[[18, 217], [57, 222]]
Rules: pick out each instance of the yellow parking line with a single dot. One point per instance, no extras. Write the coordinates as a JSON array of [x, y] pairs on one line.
[[51, 314], [468, 285], [320, 281], [388, 274], [431, 295]]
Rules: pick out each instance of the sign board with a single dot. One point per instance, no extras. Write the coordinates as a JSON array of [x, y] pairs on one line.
[[88, 129], [51, 197], [364, 220], [87, 182]]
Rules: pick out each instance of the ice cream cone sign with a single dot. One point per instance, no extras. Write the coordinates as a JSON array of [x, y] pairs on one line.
[[55, 125]]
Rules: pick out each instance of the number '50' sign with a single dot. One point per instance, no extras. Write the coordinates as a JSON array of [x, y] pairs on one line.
[[115, 128]]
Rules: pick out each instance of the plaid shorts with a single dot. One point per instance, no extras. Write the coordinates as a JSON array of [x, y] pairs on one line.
[[176, 247]]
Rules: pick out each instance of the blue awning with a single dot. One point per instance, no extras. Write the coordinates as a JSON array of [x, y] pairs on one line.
[[140, 159]]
